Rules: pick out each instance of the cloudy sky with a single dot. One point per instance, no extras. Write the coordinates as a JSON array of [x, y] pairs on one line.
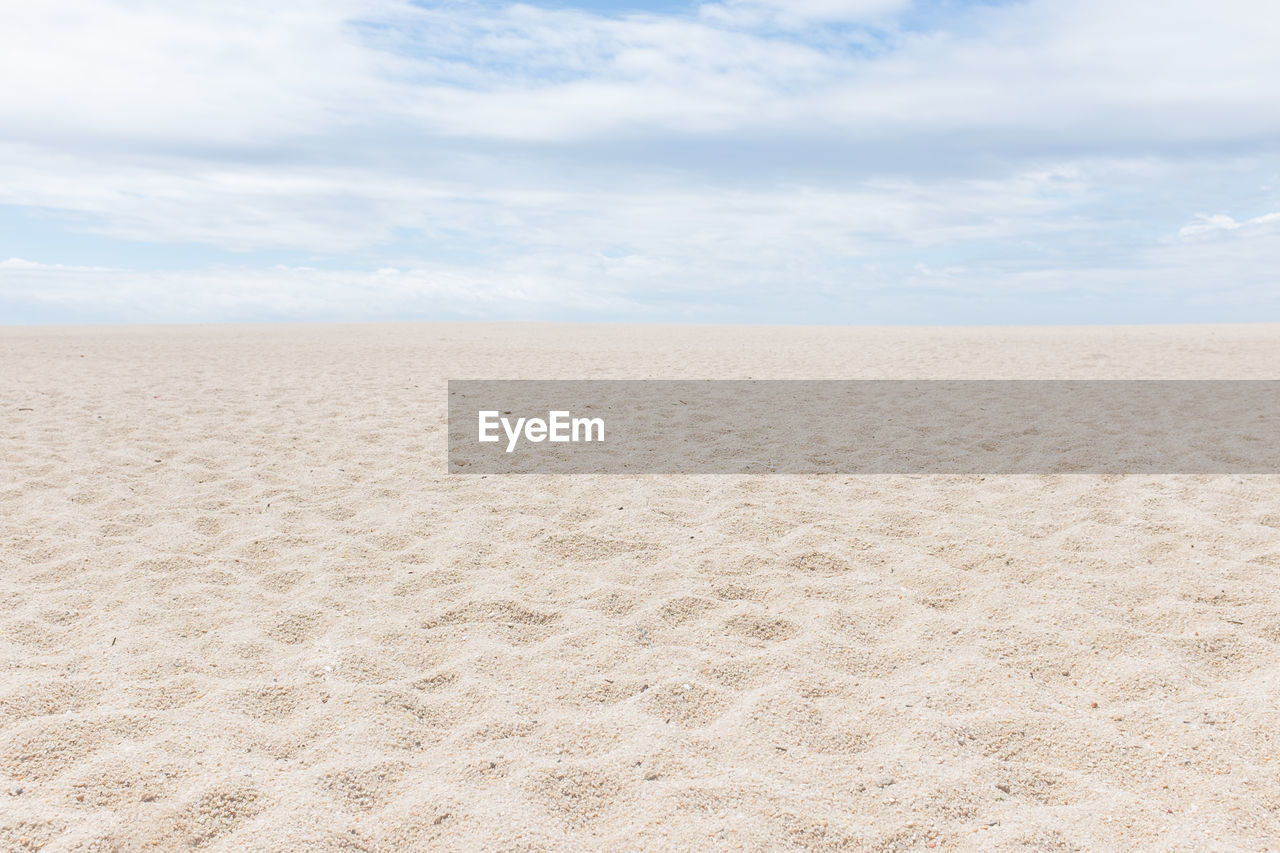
[[795, 161]]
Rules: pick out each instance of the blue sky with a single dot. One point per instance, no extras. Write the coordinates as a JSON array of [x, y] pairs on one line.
[[812, 161]]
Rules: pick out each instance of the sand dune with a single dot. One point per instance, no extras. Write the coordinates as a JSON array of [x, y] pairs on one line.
[[242, 607]]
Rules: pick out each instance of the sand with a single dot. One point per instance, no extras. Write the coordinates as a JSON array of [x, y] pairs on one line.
[[242, 607]]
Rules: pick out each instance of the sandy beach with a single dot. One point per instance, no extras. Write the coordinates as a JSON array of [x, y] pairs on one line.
[[244, 607]]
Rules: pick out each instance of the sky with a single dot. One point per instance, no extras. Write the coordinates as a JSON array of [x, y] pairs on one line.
[[740, 161]]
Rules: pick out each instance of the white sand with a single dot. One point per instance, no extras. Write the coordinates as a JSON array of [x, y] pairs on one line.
[[243, 608]]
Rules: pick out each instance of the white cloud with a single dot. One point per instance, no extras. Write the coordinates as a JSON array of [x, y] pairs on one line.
[[713, 276], [249, 73], [35, 266], [520, 154], [335, 210], [797, 13], [207, 73], [1220, 222], [1042, 73], [291, 292]]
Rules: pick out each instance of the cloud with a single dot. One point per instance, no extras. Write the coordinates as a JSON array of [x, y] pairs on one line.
[[514, 160], [35, 266], [1048, 75], [292, 292], [241, 74], [797, 13], [1220, 222], [744, 274]]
